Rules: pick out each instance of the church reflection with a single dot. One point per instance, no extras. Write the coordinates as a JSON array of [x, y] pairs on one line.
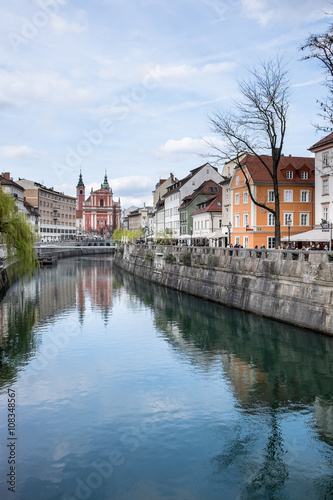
[[49, 294]]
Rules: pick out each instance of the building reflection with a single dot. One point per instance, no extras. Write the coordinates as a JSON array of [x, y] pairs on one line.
[[49, 294], [273, 369], [264, 360]]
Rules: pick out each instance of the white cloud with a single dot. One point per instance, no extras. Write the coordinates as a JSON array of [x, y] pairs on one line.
[[188, 146], [20, 152], [132, 183], [183, 71], [60, 25], [19, 88], [265, 11]]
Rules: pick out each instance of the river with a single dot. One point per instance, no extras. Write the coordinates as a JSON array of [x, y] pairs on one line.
[[113, 388]]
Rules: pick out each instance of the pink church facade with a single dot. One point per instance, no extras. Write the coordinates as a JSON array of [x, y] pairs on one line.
[[100, 213]]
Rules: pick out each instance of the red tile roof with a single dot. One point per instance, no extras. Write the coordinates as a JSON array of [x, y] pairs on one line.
[[211, 205], [259, 173], [323, 142], [205, 189]]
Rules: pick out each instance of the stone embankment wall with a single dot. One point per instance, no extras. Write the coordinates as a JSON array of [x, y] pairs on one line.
[[295, 287]]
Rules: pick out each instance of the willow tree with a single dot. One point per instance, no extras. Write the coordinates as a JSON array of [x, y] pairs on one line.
[[256, 125], [17, 235]]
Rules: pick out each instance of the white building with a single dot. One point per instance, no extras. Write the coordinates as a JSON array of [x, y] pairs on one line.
[[323, 150], [207, 220], [182, 188]]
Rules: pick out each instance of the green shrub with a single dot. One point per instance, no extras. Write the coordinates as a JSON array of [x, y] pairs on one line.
[[170, 258], [149, 257], [186, 259]]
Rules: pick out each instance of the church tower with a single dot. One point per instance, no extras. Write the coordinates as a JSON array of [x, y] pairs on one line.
[[80, 193]]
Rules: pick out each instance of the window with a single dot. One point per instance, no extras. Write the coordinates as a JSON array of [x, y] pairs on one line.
[[227, 194], [245, 197], [271, 219], [220, 223], [237, 180], [325, 186], [305, 196], [288, 195], [236, 220], [270, 242], [289, 174], [207, 171], [325, 159], [245, 220], [288, 217], [246, 242], [202, 224], [304, 219], [271, 197], [237, 240], [227, 214], [325, 212], [304, 175], [237, 199]]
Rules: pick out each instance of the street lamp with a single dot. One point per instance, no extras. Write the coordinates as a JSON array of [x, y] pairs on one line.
[[289, 224], [191, 228], [229, 226]]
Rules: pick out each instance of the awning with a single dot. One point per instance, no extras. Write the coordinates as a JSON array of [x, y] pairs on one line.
[[313, 235]]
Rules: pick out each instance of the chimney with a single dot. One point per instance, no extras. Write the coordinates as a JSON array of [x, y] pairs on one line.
[[7, 175]]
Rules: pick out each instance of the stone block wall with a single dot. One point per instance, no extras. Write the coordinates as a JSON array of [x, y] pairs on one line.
[[291, 286]]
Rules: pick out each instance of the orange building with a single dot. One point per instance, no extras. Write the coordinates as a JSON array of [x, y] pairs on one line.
[[253, 225]]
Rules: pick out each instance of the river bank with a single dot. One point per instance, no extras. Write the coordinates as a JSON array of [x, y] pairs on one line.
[[291, 286]]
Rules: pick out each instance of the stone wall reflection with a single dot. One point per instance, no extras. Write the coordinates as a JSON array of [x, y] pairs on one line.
[[272, 366]]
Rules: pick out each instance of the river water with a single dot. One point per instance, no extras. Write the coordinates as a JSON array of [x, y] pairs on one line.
[[113, 388]]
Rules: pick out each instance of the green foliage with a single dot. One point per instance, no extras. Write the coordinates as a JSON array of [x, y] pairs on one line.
[[17, 235], [126, 235], [186, 259], [170, 258], [149, 257]]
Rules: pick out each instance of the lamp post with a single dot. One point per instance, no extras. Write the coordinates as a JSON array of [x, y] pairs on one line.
[[289, 224], [191, 229], [229, 226]]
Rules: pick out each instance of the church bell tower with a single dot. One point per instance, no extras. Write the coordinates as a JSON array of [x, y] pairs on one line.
[[80, 193]]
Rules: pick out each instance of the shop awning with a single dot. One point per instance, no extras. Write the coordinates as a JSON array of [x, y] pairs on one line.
[[313, 235]]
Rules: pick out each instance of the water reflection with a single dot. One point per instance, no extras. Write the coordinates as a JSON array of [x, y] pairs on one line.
[[270, 365], [274, 369], [37, 301], [246, 395]]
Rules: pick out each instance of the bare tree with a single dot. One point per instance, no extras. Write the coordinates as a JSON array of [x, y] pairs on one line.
[[257, 126], [320, 47]]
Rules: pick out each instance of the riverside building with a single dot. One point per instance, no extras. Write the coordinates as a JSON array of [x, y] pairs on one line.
[[57, 210]]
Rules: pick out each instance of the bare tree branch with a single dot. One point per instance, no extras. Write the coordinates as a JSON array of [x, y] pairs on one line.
[[257, 126]]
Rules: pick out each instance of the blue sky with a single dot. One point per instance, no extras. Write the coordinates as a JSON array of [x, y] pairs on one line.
[[126, 86]]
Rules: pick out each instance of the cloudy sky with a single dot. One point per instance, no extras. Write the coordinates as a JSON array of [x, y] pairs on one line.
[[126, 85]]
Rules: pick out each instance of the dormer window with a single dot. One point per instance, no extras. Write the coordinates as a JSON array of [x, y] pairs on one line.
[[289, 174], [304, 175]]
